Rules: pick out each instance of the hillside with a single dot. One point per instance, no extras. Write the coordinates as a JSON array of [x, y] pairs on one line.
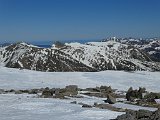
[[25, 56], [92, 56], [111, 55]]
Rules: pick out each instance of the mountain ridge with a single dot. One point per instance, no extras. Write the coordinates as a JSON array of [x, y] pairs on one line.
[[92, 56]]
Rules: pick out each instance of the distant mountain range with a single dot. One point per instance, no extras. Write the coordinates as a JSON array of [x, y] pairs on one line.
[[111, 54]]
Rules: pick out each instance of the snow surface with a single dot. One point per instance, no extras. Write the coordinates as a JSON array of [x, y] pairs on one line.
[[132, 107], [25, 107], [11, 78], [28, 107], [157, 48]]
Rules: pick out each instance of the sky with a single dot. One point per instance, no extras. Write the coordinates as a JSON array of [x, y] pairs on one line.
[[52, 20]]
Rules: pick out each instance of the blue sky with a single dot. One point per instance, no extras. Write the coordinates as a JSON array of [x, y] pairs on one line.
[[51, 20]]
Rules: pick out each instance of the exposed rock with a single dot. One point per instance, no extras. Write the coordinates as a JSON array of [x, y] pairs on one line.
[[152, 96], [97, 89], [143, 98], [102, 91], [132, 94], [26, 91], [34, 91], [18, 92], [12, 90], [109, 107], [140, 115], [110, 99], [96, 94], [73, 89], [68, 91], [59, 44], [57, 91], [95, 103], [60, 96], [126, 117], [2, 91], [106, 89], [74, 102], [86, 106], [47, 93], [156, 115], [143, 114], [31, 91]]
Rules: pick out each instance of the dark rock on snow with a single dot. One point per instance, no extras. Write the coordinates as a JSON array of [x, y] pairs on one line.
[[140, 115], [86, 106], [110, 99], [132, 94]]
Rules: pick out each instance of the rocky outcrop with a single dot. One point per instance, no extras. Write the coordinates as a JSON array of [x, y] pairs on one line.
[[143, 98], [132, 94], [140, 115], [102, 91], [71, 90], [110, 99]]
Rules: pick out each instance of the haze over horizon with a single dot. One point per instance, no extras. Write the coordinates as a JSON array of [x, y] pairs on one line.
[[62, 20]]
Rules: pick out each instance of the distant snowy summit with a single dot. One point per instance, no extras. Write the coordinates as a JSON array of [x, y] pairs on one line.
[[113, 54]]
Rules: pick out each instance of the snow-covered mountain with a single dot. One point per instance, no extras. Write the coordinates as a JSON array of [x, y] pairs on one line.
[[22, 55], [111, 55], [151, 47], [92, 56]]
